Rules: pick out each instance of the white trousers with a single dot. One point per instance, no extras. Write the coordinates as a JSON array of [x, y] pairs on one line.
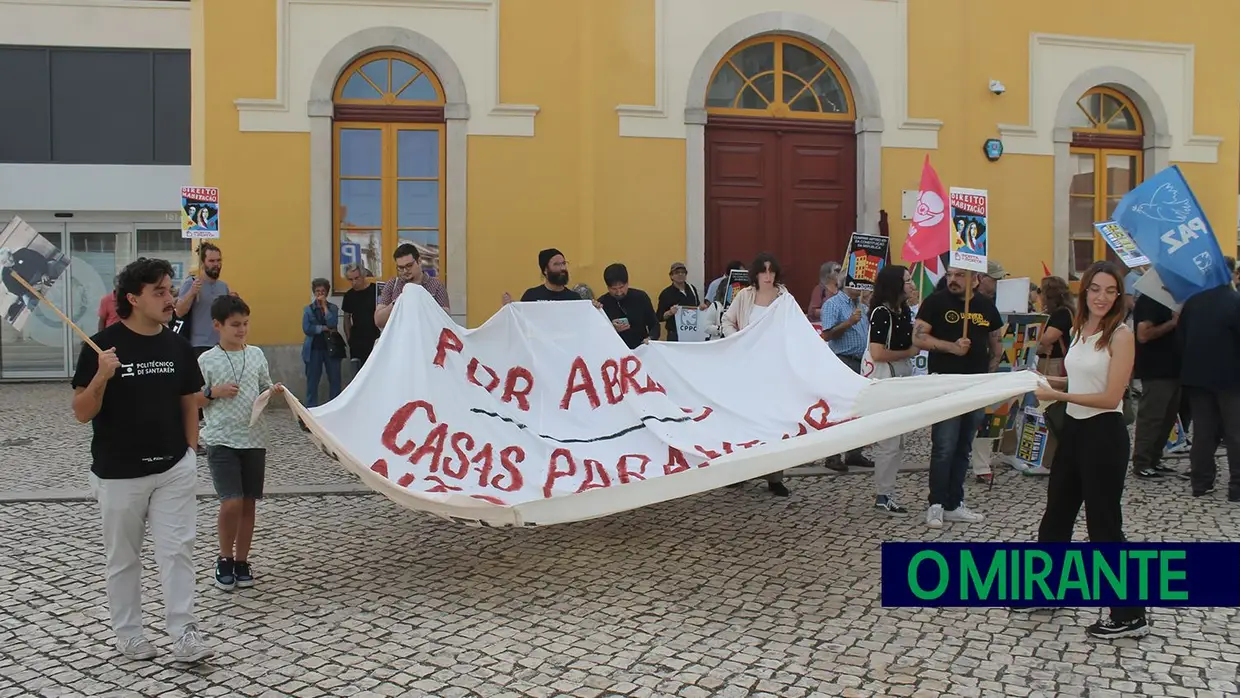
[[983, 456], [166, 501], [889, 453]]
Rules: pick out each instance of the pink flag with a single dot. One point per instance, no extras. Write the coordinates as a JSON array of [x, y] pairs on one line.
[[929, 233]]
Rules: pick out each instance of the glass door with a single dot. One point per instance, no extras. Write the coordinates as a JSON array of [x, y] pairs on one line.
[[98, 251], [33, 340]]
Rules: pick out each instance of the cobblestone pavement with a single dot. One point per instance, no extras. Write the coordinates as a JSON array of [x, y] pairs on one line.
[[727, 593]]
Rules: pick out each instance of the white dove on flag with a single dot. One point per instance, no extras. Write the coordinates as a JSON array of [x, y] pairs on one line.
[[1165, 205]]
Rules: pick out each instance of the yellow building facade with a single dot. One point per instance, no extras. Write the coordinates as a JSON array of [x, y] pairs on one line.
[[655, 131]]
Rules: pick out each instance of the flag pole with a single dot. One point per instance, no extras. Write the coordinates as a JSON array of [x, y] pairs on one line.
[[67, 321]]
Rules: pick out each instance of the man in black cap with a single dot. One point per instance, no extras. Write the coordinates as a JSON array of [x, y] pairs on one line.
[[555, 280]]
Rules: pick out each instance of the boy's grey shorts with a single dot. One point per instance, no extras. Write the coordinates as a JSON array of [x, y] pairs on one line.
[[237, 472]]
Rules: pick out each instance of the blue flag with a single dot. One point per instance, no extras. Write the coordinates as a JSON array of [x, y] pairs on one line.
[[1164, 219]]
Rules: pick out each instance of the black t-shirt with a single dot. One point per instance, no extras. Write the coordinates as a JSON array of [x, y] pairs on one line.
[[901, 330], [360, 305], [670, 296], [1160, 358], [140, 429], [1209, 336], [542, 293], [944, 312], [1061, 320], [635, 308]]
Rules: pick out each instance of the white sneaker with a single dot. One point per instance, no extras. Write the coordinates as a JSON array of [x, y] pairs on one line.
[[934, 516], [191, 647], [136, 648], [963, 515]]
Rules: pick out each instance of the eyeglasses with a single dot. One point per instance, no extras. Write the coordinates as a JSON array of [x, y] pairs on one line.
[[406, 267], [1110, 291]]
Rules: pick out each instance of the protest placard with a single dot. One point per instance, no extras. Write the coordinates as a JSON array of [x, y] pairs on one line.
[[737, 280], [27, 254], [200, 212], [1120, 241], [867, 255], [969, 229]]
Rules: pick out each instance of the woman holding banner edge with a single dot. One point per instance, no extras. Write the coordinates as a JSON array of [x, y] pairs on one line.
[[889, 355], [1092, 458], [749, 305]]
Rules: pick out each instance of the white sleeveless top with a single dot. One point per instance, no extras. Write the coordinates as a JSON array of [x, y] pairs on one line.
[[1087, 368]]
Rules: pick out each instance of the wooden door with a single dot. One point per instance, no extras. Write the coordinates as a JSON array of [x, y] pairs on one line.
[[742, 202], [780, 186]]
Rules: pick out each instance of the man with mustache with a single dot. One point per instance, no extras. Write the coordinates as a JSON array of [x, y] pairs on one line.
[[140, 396], [554, 287], [940, 330]]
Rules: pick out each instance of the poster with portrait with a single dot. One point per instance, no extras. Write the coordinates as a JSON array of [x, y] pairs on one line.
[[867, 255], [1120, 241], [26, 254], [969, 235], [200, 212]]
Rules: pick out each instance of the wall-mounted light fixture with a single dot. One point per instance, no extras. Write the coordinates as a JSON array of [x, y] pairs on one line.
[[997, 87]]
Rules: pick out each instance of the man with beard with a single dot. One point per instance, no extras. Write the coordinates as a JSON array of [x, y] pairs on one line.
[[554, 287], [940, 330], [196, 296], [408, 271], [139, 395]]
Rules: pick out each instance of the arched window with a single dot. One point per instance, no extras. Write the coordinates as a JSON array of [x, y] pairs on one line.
[[1107, 162], [389, 163], [779, 77]]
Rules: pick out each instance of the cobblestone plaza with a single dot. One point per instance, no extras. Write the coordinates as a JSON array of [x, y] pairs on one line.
[[728, 593]]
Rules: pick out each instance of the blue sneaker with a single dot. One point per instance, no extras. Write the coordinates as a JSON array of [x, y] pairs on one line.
[[225, 575], [241, 572]]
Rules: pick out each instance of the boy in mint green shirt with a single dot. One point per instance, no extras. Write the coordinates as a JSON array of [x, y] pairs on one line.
[[234, 375]]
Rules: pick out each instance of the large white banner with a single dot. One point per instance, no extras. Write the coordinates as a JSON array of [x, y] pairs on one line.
[[542, 415]]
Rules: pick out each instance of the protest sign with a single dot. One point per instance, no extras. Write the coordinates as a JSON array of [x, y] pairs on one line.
[[867, 255], [1150, 284], [689, 326], [1018, 352], [542, 415], [200, 212], [27, 254], [1032, 445], [1119, 241], [969, 229], [737, 280], [1012, 295], [1177, 441], [1165, 221]]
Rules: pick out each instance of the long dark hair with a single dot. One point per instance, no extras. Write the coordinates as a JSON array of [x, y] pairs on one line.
[[759, 266], [1055, 295], [889, 288], [1114, 317]]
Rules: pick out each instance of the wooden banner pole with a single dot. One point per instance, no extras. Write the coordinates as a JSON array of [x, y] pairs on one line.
[[65, 318], [968, 295]]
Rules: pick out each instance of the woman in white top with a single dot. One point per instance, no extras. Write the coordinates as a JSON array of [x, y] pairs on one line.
[[1092, 457], [749, 305]]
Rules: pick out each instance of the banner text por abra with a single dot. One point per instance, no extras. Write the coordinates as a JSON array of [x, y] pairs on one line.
[[451, 457]]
